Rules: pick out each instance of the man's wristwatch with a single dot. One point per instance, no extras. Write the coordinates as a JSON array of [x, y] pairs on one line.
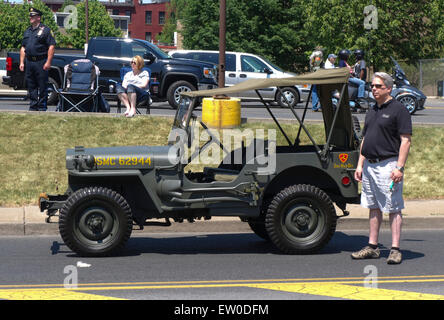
[[400, 169]]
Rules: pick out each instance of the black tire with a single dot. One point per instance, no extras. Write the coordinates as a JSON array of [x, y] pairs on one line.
[[300, 219], [53, 97], [257, 225], [292, 95], [409, 101], [173, 92], [95, 221]]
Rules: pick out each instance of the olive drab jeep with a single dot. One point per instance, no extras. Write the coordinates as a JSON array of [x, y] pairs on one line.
[[285, 192]]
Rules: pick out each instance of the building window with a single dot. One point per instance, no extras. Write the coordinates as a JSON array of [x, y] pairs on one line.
[[116, 12], [60, 20], [148, 17], [161, 17], [123, 25], [128, 13], [148, 36]]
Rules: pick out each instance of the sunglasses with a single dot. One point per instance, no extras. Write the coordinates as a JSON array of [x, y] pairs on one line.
[[377, 86], [133, 62]]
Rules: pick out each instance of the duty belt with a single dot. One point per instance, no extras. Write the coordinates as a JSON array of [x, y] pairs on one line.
[[36, 58]]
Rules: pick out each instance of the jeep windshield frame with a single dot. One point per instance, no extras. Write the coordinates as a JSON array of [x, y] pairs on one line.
[[337, 120]]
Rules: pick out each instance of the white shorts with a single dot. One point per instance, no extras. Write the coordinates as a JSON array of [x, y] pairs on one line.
[[376, 192]]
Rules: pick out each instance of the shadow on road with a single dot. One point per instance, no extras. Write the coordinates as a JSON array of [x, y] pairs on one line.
[[232, 243]]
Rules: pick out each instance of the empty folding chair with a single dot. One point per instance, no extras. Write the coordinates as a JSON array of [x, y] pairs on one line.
[[80, 91]]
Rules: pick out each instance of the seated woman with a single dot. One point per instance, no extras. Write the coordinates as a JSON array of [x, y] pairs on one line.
[[133, 87]]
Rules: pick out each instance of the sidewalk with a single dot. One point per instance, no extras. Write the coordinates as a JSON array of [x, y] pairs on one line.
[[418, 214]]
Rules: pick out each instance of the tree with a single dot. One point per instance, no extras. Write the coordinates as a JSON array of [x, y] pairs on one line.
[[14, 20], [406, 30], [287, 31], [170, 25], [99, 22], [271, 28]]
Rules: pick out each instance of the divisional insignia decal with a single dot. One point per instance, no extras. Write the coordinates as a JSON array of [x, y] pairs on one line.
[[343, 157]]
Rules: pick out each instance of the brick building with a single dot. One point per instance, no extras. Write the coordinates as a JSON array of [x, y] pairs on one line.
[[141, 19]]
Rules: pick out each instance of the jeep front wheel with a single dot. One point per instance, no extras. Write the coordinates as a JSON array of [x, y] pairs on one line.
[[300, 219], [95, 221], [174, 91]]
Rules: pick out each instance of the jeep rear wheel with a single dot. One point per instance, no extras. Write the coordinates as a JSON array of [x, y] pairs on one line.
[[174, 91], [95, 221], [300, 219]]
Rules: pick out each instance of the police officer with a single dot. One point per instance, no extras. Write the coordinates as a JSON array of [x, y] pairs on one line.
[[37, 49]]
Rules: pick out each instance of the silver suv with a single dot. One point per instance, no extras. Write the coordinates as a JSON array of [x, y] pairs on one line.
[[242, 66]]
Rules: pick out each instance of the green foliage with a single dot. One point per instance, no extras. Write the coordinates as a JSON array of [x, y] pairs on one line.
[[271, 28], [405, 30], [287, 31], [100, 24], [14, 20], [169, 28]]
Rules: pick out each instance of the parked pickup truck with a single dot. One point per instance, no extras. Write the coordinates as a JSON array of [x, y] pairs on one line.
[[111, 54]]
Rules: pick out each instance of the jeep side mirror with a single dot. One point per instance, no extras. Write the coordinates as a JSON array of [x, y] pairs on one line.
[[149, 56]]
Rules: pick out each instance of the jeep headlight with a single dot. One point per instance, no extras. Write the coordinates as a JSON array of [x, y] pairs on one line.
[[209, 72]]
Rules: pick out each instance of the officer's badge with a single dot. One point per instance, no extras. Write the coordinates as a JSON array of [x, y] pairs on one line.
[[40, 31]]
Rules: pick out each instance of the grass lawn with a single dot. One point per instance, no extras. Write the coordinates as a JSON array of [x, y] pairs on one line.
[[32, 150]]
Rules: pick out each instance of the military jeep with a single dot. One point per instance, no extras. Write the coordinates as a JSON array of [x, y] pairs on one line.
[[286, 193]]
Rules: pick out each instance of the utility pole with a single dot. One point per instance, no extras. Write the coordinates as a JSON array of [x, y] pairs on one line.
[[86, 26], [222, 42]]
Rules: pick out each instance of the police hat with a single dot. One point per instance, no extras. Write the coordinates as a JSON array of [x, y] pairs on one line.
[[34, 12]]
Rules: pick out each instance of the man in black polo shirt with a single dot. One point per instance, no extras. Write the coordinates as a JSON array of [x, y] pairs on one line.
[[384, 150], [38, 49]]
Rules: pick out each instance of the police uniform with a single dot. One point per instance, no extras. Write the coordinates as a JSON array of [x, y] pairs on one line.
[[36, 43]]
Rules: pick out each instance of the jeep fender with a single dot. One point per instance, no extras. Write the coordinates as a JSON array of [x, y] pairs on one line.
[[131, 184], [301, 175]]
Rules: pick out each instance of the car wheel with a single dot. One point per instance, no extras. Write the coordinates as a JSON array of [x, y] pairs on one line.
[[53, 97], [174, 91], [409, 101], [291, 94], [95, 221], [300, 219]]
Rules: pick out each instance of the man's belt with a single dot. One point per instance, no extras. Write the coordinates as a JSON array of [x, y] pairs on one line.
[[36, 58], [376, 160]]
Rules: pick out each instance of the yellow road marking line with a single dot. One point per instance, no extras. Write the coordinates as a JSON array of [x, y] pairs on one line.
[[339, 279], [348, 292], [332, 287], [50, 294]]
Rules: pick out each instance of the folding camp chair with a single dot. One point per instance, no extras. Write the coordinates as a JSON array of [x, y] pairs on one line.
[[80, 90], [147, 101]]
